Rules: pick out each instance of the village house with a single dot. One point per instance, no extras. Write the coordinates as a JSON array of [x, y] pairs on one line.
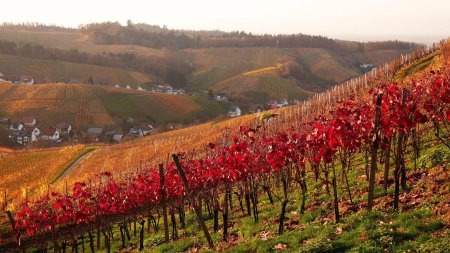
[[278, 103], [235, 111], [50, 134], [128, 86], [32, 132], [21, 138], [135, 131], [117, 137], [117, 86], [282, 103], [367, 67], [158, 88], [64, 128], [27, 80], [167, 87], [15, 126], [146, 128], [2, 77], [77, 81], [94, 133], [179, 91], [173, 126], [223, 97], [4, 119], [110, 134], [29, 121], [139, 88], [142, 130]]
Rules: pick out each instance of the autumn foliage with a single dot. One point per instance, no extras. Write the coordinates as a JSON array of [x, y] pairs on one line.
[[257, 158]]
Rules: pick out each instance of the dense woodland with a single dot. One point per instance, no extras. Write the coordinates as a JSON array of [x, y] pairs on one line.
[[155, 37]]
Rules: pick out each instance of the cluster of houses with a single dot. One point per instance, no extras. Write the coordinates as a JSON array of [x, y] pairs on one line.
[[168, 89], [278, 103], [367, 67], [22, 80], [94, 134], [26, 130], [234, 110], [29, 80], [221, 97]]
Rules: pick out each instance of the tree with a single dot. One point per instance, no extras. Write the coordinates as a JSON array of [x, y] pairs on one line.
[[90, 80], [210, 94]]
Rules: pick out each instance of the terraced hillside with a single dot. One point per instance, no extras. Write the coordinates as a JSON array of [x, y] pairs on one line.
[[42, 70], [95, 105], [222, 69]]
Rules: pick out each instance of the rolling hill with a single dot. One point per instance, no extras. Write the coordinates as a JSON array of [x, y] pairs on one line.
[[42, 70], [222, 69], [276, 195], [134, 154], [96, 105]]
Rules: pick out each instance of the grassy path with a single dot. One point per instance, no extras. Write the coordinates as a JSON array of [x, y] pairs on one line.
[[73, 164]]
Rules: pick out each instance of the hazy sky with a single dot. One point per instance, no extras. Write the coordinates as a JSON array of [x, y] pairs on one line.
[[348, 19]]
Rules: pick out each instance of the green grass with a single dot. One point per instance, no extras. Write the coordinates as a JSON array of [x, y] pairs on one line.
[[416, 66]]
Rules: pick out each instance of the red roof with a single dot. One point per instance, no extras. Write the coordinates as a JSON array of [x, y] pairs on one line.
[[28, 129], [27, 119], [48, 132]]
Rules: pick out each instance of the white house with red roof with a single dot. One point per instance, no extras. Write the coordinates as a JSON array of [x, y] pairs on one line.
[[50, 134], [32, 132]]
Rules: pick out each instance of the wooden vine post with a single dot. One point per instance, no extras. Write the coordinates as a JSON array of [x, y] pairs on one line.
[[374, 151], [163, 202], [197, 207]]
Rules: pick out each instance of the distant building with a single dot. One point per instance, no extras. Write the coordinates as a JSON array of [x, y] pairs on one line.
[[32, 132], [94, 133], [173, 126], [235, 111], [146, 128], [278, 103], [77, 81], [95, 130], [20, 137], [16, 126], [117, 137], [29, 121], [50, 134], [128, 86], [221, 97], [64, 128], [136, 132], [4, 119], [27, 80], [140, 88], [282, 103], [367, 67], [117, 86], [2, 77]]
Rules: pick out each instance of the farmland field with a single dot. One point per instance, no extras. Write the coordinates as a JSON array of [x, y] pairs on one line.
[[96, 105], [58, 70], [33, 171], [213, 66]]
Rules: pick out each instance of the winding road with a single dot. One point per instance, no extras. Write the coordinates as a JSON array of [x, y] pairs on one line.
[[74, 165]]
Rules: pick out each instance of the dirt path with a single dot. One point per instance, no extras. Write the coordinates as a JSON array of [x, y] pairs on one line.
[[74, 165]]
